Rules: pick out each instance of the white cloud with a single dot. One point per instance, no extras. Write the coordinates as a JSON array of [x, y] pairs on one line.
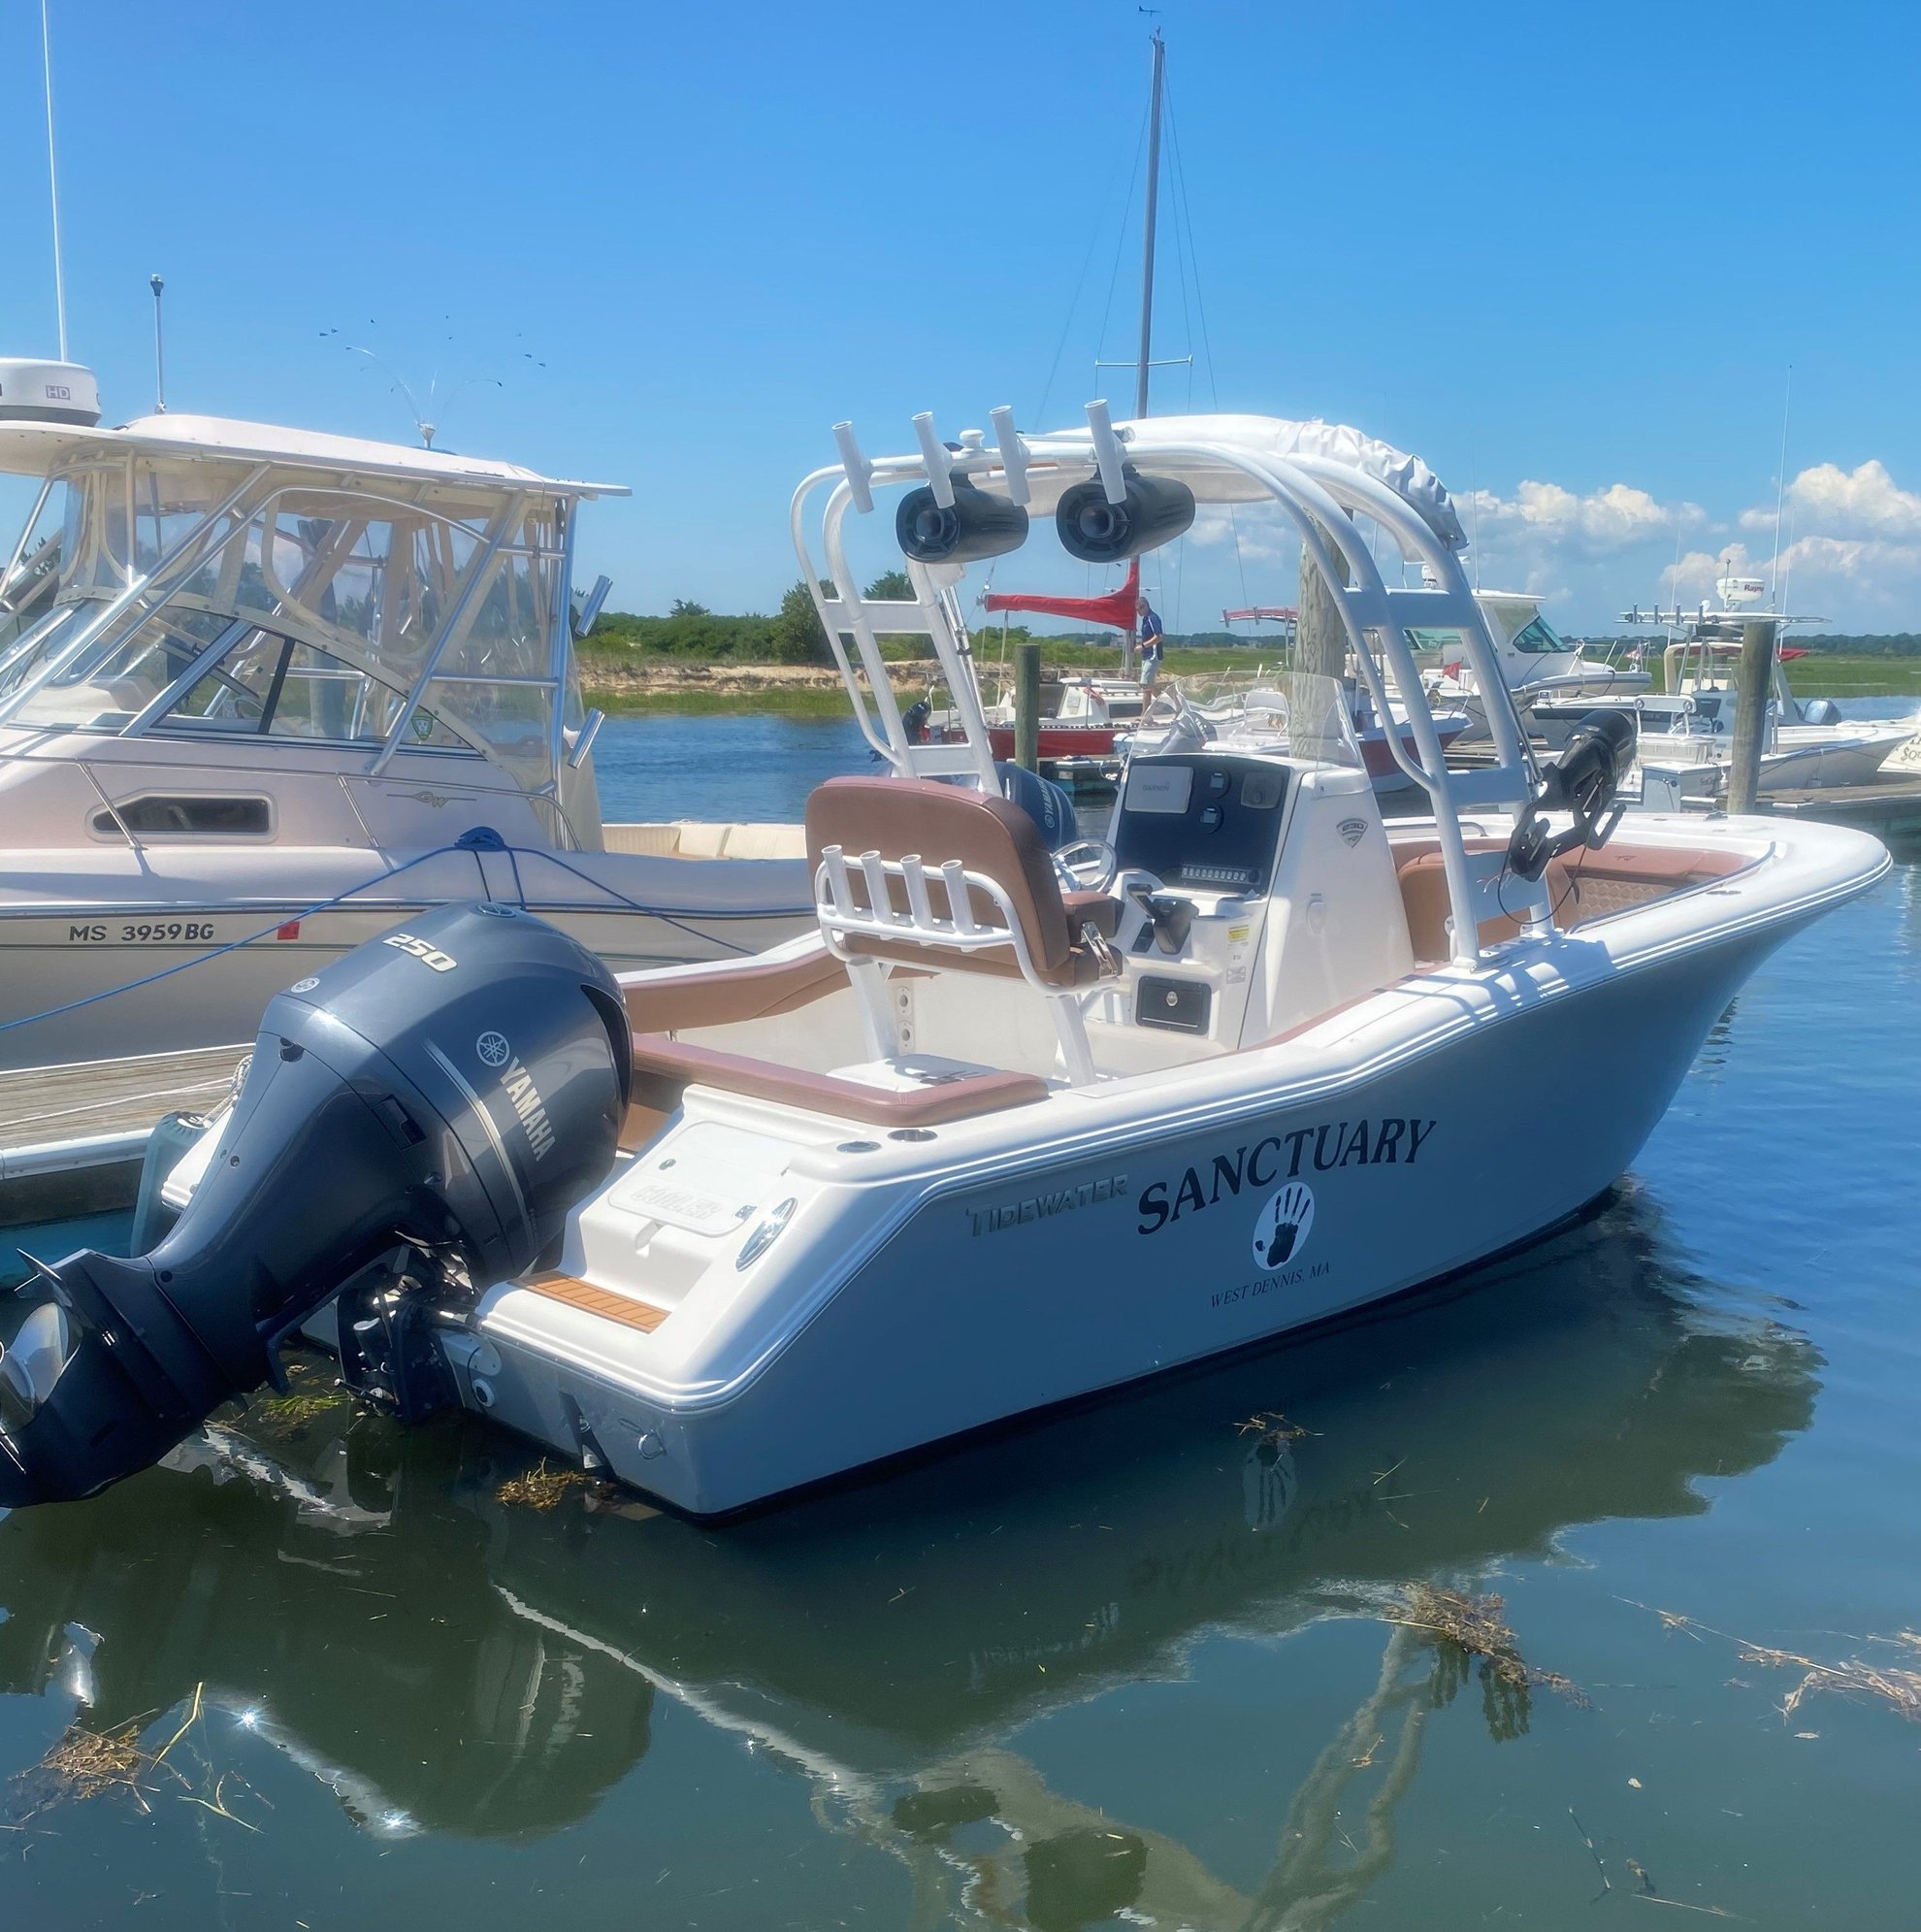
[[1861, 503], [1261, 532], [1851, 555], [1545, 519]]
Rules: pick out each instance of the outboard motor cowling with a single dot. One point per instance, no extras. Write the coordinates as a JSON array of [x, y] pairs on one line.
[[456, 1086], [1045, 801]]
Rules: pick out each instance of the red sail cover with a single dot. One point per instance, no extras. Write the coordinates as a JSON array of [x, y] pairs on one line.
[[1118, 607]]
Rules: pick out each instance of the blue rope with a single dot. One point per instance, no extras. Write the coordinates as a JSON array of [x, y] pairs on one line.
[[483, 838], [685, 912], [218, 952]]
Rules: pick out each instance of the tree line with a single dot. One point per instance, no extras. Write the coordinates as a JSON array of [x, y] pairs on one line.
[[792, 634]]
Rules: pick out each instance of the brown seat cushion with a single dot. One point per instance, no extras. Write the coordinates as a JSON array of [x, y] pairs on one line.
[[664, 1069], [1098, 909], [1424, 895], [724, 996], [902, 817]]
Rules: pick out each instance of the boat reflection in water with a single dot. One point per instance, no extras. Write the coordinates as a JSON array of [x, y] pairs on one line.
[[887, 1640]]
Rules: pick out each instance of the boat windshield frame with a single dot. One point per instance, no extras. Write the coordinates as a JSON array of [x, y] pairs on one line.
[[229, 546], [1222, 460]]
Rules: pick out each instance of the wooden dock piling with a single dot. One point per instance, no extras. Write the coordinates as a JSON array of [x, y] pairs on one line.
[[1750, 726], [1026, 705]]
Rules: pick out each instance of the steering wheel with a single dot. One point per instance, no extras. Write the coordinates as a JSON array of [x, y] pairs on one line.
[[1087, 863]]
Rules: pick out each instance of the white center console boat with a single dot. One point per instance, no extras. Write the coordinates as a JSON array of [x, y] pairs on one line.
[[989, 1138], [264, 691], [1685, 732]]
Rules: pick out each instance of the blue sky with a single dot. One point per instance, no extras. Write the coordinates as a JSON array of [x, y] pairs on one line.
[[1567, 254]]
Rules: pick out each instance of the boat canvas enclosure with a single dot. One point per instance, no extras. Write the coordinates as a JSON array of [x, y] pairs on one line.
[[188, 577]]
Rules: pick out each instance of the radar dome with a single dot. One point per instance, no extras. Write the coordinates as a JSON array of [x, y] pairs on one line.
[[32, 391]]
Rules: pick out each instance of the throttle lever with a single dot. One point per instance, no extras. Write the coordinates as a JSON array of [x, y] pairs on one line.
[[1172, 918]]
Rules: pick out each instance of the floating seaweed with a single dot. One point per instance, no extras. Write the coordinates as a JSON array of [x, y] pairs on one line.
[[313, 1391], [289, 1415], [88, 1764], [1270, 1427], [1895, 1684], [1460, 1627], [541, 1488], [1897, 1687]]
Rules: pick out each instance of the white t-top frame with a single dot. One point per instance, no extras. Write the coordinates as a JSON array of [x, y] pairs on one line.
[[1223, 460]]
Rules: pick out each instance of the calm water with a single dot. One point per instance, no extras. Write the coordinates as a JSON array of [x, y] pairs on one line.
[[1132, 1667]]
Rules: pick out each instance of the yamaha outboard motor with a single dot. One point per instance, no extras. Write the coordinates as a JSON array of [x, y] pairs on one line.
[[1583, 781], [1045, 801], [415, 1125]]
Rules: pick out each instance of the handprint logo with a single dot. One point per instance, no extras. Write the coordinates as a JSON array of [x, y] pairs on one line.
[[1281, 1231]]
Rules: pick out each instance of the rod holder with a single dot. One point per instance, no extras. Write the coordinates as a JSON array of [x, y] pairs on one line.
[[1013, 454], [939, 460], [1107, 452], [960, 899], [859, 472]]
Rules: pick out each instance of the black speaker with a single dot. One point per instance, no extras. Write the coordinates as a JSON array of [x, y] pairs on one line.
[[1155, 511], [977, 525]]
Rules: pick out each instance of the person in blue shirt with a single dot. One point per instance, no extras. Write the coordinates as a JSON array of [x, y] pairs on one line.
[[1151, 635]]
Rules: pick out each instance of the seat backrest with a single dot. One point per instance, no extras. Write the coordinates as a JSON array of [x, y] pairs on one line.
[[898, 818]]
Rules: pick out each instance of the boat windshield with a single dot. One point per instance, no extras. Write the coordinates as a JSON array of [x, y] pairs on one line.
[[306, 609], [1311, 717], [1537, 637]]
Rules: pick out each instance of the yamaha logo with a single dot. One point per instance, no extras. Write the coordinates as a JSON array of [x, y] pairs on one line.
[[1284, 1224], [1352, 829], [493, 1048]]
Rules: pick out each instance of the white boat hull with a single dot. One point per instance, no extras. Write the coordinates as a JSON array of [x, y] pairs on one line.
[[1804, 757], [1032, 1263]]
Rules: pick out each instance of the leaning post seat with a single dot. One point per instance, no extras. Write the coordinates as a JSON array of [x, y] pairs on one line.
[[936, 876]]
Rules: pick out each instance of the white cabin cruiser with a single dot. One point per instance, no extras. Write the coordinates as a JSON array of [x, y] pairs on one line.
[[264, 691], [986, 1140], [1538, 666]]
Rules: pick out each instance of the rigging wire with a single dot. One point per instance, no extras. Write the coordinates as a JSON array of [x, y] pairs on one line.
[[1184, 270], [1081, 280], [1178, 172], [1096, 229], [1119, 243], [1114, 275]]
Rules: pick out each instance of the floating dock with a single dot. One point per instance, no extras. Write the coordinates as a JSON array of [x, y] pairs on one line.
[[1889, 803], [71, 1137]]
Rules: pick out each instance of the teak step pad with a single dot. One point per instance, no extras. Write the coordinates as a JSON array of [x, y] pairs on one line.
[[600, 1301]]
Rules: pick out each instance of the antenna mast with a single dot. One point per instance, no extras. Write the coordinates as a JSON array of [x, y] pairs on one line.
[[159, 348], [53, 175], [1780, 492]]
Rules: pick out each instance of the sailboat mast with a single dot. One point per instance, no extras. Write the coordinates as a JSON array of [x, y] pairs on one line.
[[1146, 359], [1146, 231]]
